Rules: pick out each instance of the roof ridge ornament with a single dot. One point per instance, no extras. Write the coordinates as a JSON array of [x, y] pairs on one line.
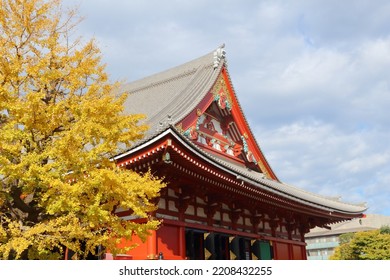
[[218, 55], [168, 121]]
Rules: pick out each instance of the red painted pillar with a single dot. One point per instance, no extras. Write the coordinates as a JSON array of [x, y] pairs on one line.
[[274, 249], [182, 242], [152, 245]]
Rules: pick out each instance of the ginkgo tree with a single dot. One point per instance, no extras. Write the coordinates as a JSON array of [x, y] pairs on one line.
[[61, 123]]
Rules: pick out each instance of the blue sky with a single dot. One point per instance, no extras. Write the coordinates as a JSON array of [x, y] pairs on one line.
[[312, 77]]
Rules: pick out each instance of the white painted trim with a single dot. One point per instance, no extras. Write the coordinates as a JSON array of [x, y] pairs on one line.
[[140, 147]]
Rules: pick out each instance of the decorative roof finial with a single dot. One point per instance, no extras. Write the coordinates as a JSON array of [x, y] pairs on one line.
[[160, 126], [218, 55]]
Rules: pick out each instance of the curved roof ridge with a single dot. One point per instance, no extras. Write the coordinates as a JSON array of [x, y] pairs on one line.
[[210, 81], [277, 186], [166, 97], [174, 100], [331, 199], [247, 123]]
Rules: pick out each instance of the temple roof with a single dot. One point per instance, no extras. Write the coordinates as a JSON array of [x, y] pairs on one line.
[[166, 98], [369, 222]]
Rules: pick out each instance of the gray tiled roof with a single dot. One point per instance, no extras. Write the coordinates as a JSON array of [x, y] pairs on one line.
[[285, 190], [167, 97], [293, 192], [370, 222]]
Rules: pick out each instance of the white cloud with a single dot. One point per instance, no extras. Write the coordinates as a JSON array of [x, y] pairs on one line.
[[312, 77], [319, 157], [365, 162]]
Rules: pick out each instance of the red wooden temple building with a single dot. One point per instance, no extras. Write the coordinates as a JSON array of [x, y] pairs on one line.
[[223, 200]]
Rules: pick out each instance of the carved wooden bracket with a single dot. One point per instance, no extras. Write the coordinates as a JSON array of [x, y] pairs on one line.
[[183, 202]]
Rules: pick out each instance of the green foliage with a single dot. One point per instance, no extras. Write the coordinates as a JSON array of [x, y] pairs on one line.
[[346, 237], [367, 245], [385, 230], [60, 123]]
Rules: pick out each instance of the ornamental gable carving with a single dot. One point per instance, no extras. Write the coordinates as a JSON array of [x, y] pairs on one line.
[[216, 130]]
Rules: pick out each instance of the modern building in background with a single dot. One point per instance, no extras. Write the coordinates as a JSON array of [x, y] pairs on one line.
[[321, 242]]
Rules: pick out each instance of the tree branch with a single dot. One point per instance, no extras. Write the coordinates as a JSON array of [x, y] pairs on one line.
[[17, 202]]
